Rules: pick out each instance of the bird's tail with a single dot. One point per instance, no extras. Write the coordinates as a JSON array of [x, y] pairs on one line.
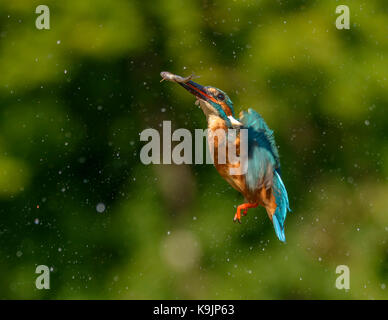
[[282, 206]]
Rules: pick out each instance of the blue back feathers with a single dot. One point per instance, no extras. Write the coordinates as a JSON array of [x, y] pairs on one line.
[[264, 166], [263, 156]]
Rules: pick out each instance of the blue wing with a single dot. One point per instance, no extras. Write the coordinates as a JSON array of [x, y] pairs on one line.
[[263, 156], [264, 166]]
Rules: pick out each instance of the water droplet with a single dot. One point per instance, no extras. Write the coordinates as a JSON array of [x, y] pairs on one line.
[[100, 207]]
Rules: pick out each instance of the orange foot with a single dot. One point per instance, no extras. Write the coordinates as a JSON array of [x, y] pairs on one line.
[[244, 207]]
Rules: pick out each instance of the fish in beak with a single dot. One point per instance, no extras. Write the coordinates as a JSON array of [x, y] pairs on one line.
[[194, 88]]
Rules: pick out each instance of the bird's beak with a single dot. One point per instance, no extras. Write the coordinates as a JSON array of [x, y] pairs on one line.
[[199, 91]]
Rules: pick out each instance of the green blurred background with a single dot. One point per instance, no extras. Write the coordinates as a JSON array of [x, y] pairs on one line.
[[74, 195]]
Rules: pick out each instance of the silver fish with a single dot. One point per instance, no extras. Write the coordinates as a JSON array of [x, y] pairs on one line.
[[174, 77]]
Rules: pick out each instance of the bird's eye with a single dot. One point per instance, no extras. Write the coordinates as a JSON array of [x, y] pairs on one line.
[[221, 96]]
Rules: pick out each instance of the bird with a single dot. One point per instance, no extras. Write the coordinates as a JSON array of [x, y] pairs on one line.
[[261, 182]]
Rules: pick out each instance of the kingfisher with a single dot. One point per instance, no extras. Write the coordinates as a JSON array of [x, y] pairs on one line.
[[261, 182]]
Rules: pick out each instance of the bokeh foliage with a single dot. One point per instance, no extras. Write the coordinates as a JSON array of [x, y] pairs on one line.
[[75, 98]]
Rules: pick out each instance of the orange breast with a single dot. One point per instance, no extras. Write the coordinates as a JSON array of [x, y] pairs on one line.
[[219, 149]]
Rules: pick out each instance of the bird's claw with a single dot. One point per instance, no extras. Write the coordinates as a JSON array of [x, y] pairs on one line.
[[243, 209], [237, 217]]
